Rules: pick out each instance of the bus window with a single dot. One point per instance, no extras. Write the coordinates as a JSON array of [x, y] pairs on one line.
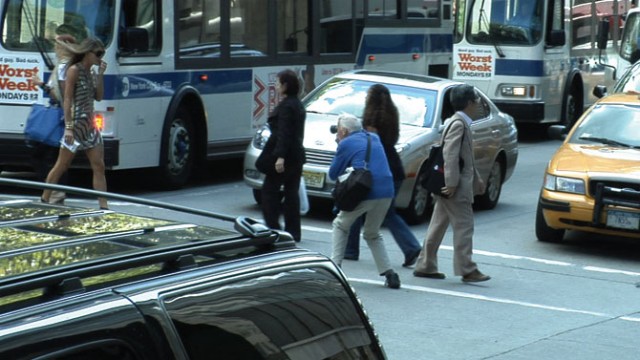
[[249, 28], [292, 26], [336, 27], [25, 20], [138, 28], [383, 9], [423, 9]]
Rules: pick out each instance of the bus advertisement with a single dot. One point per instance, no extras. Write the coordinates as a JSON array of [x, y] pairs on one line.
[[189, 81], [538, 60]]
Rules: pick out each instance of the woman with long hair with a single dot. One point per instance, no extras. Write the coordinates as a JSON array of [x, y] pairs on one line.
[[81, 88], [381, 116]]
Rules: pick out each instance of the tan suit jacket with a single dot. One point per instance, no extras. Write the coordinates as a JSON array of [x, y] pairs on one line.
[[458, 145]]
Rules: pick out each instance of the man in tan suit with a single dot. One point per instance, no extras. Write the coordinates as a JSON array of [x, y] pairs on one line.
[[454, 205]]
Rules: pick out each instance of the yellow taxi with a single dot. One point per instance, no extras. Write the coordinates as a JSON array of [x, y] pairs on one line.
[[592, 183]]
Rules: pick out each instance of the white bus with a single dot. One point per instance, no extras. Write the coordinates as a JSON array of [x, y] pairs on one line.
[[629, 52], [190, 80], [538, 60]]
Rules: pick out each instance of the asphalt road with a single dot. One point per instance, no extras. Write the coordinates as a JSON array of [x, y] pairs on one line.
[[573, 300]]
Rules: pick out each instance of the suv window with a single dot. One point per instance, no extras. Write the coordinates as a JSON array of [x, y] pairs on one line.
[[297, 314], [100, 350]]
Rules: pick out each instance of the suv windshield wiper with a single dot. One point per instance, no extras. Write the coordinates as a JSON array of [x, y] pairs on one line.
[[606, 141]]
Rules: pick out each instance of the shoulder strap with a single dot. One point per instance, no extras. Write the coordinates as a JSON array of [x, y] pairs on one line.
[[367, 156], [449, 127]]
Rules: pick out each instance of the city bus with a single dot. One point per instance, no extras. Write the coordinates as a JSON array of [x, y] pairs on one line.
[[189, 81], [629, 52], [538, 60]]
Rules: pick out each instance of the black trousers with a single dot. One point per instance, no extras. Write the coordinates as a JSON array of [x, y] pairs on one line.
[[287, 202]]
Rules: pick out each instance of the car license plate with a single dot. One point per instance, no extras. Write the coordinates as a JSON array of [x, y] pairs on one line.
[[623, 220], [313, 179]]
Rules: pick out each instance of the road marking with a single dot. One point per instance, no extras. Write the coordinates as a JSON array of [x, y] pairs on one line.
[[461, 294], [514, 257]]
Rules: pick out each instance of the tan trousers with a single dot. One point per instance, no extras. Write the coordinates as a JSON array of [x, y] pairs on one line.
[[460, 215]]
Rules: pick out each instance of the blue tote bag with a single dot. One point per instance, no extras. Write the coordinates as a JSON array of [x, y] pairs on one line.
[[45, 124]]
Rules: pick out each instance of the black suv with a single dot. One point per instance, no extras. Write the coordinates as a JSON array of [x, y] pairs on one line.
[[78, 283]]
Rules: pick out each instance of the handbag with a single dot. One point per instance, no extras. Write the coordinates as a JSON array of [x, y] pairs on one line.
[[433, 177], [45, 124], [266, 161], [354, 185]]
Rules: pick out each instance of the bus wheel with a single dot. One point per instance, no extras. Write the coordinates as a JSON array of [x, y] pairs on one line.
[[420, 206], [178, 151], [570, 112], [489, 199]]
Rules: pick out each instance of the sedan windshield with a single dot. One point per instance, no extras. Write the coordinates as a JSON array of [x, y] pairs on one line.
[[612, 124], [416, 106]]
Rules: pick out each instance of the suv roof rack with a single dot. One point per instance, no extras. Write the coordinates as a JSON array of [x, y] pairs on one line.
[[138, 242]]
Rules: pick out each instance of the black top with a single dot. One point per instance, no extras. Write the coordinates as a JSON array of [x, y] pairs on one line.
[[287, 131]]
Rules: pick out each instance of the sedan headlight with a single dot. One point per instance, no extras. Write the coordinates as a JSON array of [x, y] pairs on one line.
[[261, 137], [564, 184]]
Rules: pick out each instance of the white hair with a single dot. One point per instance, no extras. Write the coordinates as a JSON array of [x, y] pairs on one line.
[[350, 122]]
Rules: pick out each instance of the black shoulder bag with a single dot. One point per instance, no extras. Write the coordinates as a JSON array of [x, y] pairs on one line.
[[354, 185], [433, 176]]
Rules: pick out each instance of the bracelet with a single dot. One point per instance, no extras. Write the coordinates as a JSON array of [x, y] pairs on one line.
[[68, 126]]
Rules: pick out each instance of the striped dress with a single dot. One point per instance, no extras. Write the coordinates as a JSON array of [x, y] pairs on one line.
[[84, 129]]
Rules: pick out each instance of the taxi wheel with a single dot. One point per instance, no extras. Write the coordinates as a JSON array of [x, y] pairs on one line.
[[544, 232]]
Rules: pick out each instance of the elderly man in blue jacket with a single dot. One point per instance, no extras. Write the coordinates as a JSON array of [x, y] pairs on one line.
[[352, 146]]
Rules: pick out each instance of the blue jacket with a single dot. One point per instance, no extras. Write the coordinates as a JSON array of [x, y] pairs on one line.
[[351, 152]]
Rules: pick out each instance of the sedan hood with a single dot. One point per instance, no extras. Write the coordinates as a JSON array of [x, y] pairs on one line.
[[317, 135], [597, 159]]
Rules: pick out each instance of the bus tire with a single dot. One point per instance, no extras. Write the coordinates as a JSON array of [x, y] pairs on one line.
[[420, 206], [177, 157], [545, 233], [571, 108], [489, 199]]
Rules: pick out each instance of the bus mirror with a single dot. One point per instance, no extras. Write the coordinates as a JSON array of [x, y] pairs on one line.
[[599, 91], [134, 40], [556, 38], [603, 34]]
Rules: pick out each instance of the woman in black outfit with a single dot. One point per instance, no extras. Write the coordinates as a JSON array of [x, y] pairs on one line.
[[285, 145]]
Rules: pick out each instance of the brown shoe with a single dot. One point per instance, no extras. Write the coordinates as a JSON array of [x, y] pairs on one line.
[[435, 275], [475, 276]]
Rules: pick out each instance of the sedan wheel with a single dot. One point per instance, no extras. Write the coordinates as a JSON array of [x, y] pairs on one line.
[[420, 206], [490, 198]]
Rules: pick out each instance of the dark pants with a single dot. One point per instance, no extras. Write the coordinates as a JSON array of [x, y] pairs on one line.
[[273, 203]]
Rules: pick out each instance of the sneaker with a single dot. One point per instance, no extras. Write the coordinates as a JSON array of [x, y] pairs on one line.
[[475, 276], [393, 280]]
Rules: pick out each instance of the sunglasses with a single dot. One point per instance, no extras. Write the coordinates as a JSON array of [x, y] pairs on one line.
[[99, 53]]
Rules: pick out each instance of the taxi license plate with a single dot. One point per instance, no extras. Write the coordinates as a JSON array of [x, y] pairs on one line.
[[623, 220], [313, 179]]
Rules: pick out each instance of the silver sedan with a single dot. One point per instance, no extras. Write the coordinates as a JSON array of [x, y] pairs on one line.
[[424, 106]]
